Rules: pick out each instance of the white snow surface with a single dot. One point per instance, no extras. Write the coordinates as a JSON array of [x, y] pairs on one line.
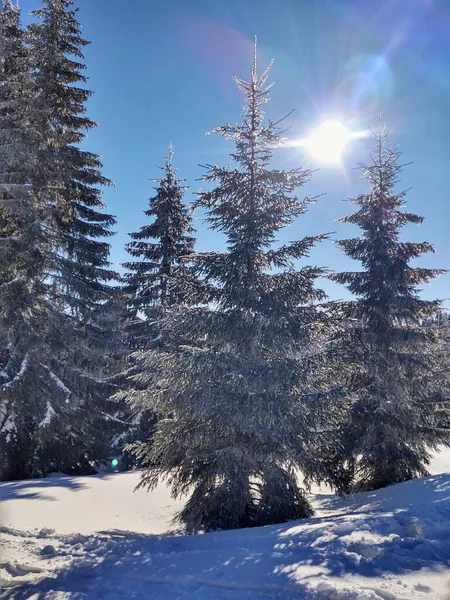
[[93, 538]]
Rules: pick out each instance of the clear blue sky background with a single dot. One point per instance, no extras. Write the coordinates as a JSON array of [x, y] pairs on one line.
[[162, 71]]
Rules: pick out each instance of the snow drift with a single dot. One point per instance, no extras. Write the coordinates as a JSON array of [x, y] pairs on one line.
[[91, 537]]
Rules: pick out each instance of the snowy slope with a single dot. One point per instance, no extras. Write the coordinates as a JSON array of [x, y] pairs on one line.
[[91, 537]]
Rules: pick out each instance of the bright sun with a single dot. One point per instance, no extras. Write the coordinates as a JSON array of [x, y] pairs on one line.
[[328, 141]]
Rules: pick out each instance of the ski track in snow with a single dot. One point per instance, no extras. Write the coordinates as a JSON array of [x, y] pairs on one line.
[[393, 544]]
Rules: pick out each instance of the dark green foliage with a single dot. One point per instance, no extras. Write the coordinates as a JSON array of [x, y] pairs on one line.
[[243, 399], [69, 181], [68, 178], [399, 365], [159, 280], [21, 240], [21, 236], [56, 358]]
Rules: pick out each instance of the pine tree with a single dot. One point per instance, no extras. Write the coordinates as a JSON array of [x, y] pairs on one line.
[[239, 400], [158, 280], [397, 412], [70, 177], [54, 364], [69, 183], [22, 251], [31, 396], [18, 218]]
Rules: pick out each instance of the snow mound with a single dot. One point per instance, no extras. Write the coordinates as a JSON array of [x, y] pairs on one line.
[[393, 544]]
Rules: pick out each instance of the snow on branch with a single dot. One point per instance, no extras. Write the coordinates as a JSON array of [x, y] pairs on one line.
[[20, 374], [49, 414]]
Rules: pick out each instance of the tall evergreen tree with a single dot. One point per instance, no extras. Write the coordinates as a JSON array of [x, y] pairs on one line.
[[160, 276], [157, 280], [22, 252], [69, 183], [397, 413], [69, 179], [19, 221], [54, 367], [239, 400]]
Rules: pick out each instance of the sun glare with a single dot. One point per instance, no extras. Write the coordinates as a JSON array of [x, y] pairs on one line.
[[328, 141]]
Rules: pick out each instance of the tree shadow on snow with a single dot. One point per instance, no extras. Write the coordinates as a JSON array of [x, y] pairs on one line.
[[395, 530], [120, 564], [386, 532], [26, 489], [434, 489]]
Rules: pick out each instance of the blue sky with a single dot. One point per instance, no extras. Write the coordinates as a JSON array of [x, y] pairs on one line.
[[162, 72]]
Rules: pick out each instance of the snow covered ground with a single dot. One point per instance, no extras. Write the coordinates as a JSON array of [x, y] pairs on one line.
[[92, 537]]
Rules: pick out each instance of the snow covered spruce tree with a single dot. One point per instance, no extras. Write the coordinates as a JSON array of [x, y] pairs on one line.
[[242, 409], [69, 182], [54, 270], [19, 220], [159, 277], [157, 280], [70, 177], [21, 248], [31, 395], [398, 411]]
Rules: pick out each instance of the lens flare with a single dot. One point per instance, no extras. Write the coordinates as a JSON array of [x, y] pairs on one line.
[[366, 81], [114, 463], [328, 141]]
